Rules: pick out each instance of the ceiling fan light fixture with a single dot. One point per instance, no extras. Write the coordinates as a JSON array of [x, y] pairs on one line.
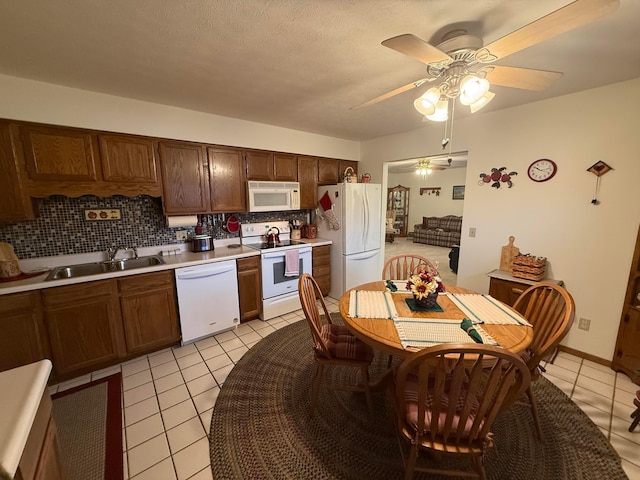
[[472, 89], [442, 110], [426, 103], [423, 168], [482, 101]]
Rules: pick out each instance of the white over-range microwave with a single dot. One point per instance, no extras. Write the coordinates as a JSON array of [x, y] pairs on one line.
[[273, 196]]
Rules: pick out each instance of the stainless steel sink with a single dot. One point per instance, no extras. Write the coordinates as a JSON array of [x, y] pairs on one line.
[[85, 269]]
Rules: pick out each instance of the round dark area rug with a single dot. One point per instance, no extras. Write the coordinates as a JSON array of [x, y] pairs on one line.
[[261, 427]]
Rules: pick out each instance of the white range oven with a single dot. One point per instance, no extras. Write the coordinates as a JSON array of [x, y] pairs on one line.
[[278, 264]]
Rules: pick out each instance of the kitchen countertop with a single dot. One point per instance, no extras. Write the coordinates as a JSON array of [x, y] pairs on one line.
[[23, 388], [182, 258]]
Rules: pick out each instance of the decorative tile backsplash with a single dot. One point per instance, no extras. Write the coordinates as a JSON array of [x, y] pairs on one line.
[[61, 228]]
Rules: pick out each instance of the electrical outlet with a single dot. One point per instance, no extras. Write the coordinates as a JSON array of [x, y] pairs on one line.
[[181, 235], [584, 324], [472, 232]]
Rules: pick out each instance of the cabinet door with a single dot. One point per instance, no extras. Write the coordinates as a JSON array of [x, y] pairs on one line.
[[50, 465], [259, 165], [84, 325], [308, 178], [23, 339], [149, 311], [344, 164], [59, 154], [15, 203], [185, 183], [322, 268], [505, 290], [627, 354], [228, 185], [285, 167], [328, 171], [249, 288], [129, 159]]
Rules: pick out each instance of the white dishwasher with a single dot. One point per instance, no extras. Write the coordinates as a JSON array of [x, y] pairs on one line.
[[207, 299]]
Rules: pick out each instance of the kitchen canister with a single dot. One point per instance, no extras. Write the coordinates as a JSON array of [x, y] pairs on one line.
[[295, 234]]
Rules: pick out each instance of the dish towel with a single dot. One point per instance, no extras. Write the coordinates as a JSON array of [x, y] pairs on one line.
[[291, 263]]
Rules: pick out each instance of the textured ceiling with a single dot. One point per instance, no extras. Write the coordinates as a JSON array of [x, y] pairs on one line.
[[298, 64]]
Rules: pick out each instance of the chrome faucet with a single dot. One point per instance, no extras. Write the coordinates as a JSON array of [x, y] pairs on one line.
[[113, 251]]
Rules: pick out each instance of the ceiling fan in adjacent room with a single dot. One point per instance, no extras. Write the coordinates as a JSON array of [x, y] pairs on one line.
[[461, 66]]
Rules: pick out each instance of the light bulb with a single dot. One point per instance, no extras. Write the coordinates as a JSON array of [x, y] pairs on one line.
[[472, 89]]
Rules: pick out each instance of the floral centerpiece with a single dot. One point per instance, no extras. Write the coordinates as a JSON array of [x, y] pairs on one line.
[[425, 287]]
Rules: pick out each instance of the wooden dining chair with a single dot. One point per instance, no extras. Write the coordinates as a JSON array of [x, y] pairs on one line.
[[401, 267], [332, 344], [446, 399], [550, 309]]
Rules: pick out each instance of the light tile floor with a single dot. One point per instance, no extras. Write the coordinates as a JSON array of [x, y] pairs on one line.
[[168, 399]]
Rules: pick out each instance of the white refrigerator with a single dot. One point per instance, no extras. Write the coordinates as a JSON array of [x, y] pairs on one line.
[[355, 251]]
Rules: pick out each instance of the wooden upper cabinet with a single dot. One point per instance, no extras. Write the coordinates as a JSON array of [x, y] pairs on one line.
[[328, 171], [308, 178], [344, 164], [285, 167], [15, 203], [129, 159], [227, 179], [59, 153], [259, 165], [183, 168], [269, 166]]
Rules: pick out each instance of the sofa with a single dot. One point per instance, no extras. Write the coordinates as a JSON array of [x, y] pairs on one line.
[[439, 231]]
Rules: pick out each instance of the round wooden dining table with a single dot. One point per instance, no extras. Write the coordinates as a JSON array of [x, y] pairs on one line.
[[381, 333]]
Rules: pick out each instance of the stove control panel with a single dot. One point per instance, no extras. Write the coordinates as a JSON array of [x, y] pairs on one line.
[[248, 230]]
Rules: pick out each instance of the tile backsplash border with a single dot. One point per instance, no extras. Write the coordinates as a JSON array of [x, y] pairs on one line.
[[62, 230]]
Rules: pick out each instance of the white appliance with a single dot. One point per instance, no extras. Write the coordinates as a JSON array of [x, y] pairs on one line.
[[355, 252], [279, 292], [273, 196], [207, 299]]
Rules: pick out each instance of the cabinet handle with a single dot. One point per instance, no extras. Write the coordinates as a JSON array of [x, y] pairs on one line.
[[517, 291]]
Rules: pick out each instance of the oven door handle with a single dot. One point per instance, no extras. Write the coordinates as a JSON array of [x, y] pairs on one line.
[[281, 254]]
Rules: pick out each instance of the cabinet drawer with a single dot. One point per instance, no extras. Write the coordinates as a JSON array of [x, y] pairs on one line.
[[63, 296], [17, 302], [321, 270], [145, 282], [249, 263]]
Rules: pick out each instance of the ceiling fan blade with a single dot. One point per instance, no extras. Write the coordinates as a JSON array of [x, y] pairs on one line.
[[562, 20], [390, 94], [417, 48], [525, 78]]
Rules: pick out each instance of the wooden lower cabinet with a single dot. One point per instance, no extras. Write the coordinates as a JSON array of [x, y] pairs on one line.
[[149, 311], [626, 357], [249, 288], [41, 456], [23, 337], [321, 267], [85, 326], [506, 291]]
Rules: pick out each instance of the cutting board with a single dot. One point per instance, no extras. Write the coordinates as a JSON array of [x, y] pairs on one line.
[[509, 252]]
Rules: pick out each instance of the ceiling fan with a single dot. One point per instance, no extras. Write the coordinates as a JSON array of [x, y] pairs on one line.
[[464, 66]]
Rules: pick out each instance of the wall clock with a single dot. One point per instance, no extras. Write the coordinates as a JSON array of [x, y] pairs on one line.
[[542, 170]]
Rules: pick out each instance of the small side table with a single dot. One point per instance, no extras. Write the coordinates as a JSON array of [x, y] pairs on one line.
[[505, 287]]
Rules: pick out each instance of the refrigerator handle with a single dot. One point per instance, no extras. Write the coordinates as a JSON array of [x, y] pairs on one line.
[[365, 200]]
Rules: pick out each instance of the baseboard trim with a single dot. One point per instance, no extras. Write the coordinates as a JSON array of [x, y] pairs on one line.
[[586, 356]]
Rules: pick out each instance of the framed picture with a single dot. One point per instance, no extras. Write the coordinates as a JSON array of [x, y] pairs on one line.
[[458, 192]]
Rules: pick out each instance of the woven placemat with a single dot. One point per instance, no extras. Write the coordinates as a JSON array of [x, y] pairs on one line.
[[261, 427]]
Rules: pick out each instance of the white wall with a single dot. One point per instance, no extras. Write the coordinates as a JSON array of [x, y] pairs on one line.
[[426, 205], [588, 247], [32, 101]]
